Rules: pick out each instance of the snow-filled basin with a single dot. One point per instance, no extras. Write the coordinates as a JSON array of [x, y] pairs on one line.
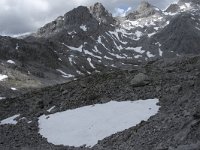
[[86, 125]]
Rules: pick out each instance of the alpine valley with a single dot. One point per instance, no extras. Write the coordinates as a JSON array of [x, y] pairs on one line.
[[88, 58]]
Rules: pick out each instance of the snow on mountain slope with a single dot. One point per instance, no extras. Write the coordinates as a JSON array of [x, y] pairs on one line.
[[110, 41], [90, 39], [3, 77]]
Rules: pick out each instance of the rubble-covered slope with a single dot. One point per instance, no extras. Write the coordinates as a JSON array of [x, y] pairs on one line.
[[175, 82]]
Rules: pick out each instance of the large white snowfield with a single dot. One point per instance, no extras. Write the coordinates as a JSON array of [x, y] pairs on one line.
[[86, 125]]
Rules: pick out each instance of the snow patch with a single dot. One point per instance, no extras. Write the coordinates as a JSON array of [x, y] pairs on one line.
[[96, 50], [169, 13], [65, 75], [10, 120], [108, 58], [197, 28], [160, 52], [73, 32], [91, 54], [79, 72], [10, 62], [20, 35], [158, 43], [136, 49], [14, 89], [90, 62], [151, 34], [79, 49], [188, 5], [83, 27], [117, 56], [99, 39], [86, 125], [137, 56], [134, 23], [183, 7], [150, 55], [3, 77], [138, 34], [50, 109], [113, 66], [2, 98], [17, 46], [156, 28]]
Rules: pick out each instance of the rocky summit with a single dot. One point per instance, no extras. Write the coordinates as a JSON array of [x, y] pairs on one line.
[[88, 57]]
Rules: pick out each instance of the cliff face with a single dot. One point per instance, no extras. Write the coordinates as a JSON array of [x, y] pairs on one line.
[[101, 14]]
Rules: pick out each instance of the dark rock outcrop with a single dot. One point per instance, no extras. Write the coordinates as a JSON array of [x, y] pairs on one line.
[[173, 8], [145, 9], [101, 14]]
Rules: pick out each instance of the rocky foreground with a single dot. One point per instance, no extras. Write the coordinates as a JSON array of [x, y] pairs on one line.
[[175, 82]]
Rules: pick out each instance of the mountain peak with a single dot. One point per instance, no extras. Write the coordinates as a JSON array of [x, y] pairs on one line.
[[98, 10], [173, 8], [145, 9], [78, 16], [98, 5], [101, 14], [144, 5]]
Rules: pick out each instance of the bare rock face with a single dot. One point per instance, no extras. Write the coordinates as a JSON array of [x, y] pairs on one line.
[[100, 13], [173, 8], [81, 16], [144, 6], [54, 26], [145, 9], [71, 20], [25, 52], [77, 16]]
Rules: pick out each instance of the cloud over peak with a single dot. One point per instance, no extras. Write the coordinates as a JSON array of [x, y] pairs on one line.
[[20, 16]]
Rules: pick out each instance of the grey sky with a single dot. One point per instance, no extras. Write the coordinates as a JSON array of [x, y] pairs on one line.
[[19, 16]]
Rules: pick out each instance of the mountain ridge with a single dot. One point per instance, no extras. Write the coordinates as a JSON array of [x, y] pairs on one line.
[[89, 39]]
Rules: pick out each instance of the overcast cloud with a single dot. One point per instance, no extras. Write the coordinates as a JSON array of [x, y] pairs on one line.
[[20, 16]]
